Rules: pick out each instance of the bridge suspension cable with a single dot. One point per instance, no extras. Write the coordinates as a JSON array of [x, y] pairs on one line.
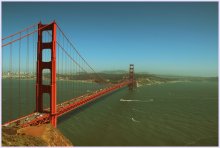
[[19, 32], [18, 68], [73, 47], [75, 77], [26, 35]]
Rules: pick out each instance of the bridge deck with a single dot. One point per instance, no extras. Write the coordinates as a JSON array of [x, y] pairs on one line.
[[63, 108]]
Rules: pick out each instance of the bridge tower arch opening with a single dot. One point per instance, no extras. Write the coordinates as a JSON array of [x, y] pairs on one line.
[[51, 65]]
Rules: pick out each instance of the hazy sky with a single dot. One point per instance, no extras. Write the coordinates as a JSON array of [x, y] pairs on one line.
[[162, 38]]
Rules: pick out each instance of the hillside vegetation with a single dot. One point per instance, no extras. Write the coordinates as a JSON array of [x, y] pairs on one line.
[[41, 135]]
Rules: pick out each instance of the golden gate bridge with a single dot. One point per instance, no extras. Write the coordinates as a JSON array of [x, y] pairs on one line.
[[41, 60]]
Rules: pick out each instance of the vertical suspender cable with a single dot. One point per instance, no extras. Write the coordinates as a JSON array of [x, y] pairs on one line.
[[19, 77], [77, 78], [80, 78], [27, 71], [32, 71], [10, 83], [72, 78], [66, 77], [84, 86], [69, 74], [34, 61], [71, 84], [62, 76], [58, 73], [67, 81], [64, 65]]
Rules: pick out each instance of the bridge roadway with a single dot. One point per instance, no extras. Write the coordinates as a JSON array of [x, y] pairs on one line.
[[63, 108]]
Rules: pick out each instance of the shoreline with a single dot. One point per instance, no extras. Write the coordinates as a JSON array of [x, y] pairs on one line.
[[83, 81]]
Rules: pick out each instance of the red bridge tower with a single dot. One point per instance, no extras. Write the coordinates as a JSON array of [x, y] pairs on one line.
[[51, 65], [131, 77]]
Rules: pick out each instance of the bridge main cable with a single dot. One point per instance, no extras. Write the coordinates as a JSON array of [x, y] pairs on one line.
[[65, 51], [79, 53], [27, 28], [26, 35]]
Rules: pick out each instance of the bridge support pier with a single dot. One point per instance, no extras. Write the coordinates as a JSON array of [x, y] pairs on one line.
[[51, 65]]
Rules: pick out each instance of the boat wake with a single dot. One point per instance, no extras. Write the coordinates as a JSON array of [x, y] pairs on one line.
[[134, 120], [123, 100]]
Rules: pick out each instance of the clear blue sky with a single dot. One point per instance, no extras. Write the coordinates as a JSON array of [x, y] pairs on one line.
[[161, 38]]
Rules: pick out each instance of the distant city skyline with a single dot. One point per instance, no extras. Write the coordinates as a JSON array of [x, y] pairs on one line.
[[165, 38]]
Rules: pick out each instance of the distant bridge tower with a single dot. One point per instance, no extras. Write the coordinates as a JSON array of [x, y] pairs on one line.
[[131, 77], [51, 65]]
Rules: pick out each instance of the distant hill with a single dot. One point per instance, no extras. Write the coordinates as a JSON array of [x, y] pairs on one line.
[[116, 76], [114, 72]]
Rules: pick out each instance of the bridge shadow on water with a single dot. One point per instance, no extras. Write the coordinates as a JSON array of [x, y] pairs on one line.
[[84, 107]]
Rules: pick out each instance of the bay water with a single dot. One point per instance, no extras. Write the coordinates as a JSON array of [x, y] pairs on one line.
[[172, 114], [169, 114]]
